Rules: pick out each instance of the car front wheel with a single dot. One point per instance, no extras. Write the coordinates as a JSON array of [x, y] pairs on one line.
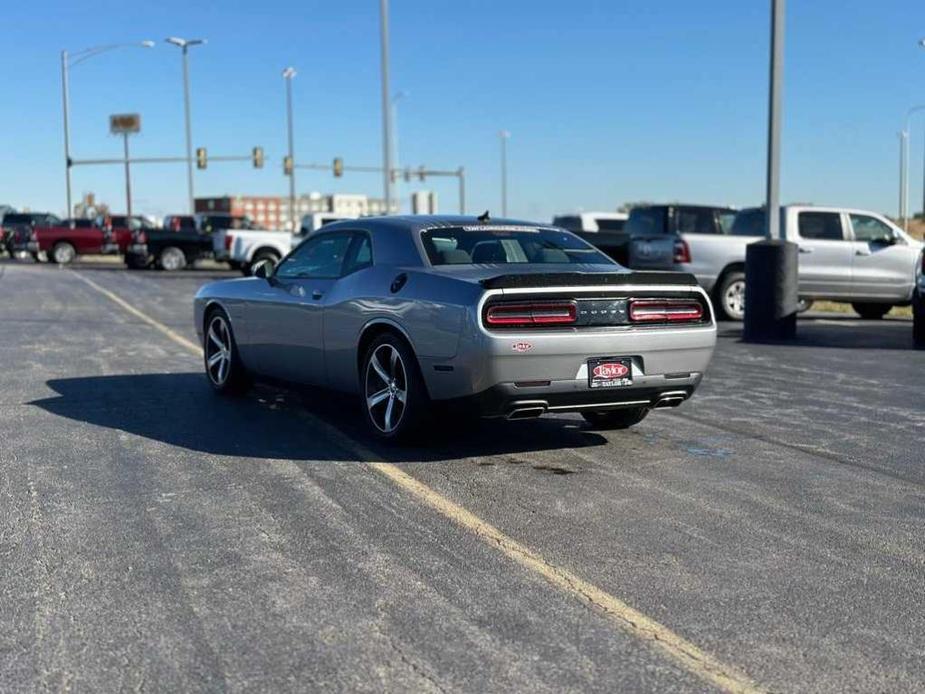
[[616, 419], [394, 397], [224, 369]]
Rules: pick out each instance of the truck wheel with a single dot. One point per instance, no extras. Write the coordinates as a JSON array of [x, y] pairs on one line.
[[730, 296], [63, 253], [258, 258], [871, 311], [616, 419], [171, 259]]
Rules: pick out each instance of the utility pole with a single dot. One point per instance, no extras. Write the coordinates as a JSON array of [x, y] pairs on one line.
[[67, 131], [386, 108], [505, 136], [288, 74], [128, 178], [771, 287]]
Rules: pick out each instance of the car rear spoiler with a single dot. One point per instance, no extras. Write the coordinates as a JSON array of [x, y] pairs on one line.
[[588, 279]]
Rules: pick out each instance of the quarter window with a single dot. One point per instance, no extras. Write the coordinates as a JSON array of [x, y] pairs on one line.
[[870, 229], [694, 221], [825, 226], [360, 255], [322, 257]]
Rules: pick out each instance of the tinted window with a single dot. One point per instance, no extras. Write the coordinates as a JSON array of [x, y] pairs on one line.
[[871, 229], [507, 245], [570, 222], [695, 221], [751, 222], [725, 219], [20, 218], [825, 226], [321, 257], [647, 220], [610, 224], [360, 255]]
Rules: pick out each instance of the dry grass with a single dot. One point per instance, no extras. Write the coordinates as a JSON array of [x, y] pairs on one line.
[[917, 229], [835, 307]]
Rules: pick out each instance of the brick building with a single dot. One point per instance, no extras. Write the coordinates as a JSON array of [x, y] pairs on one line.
[[272, 211]]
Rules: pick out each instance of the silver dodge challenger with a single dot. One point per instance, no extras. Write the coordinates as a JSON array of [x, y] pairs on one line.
[[424, 314]]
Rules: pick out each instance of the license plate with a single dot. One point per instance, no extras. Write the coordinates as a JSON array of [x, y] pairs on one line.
[[610, 372]]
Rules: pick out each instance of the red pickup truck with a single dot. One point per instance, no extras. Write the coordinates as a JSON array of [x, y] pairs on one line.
[[63, 243]]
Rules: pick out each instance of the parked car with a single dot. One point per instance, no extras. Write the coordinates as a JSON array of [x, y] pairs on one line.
[[172, 248], [314, 221], [846, 255], [591, 221], [18, 226], [121, 221], [509, 318], [63, 242]]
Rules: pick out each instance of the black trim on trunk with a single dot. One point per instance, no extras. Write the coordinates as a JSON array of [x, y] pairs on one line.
[[588, 279]]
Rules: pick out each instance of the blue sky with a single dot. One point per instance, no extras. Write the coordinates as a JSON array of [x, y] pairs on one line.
[[607, 101]]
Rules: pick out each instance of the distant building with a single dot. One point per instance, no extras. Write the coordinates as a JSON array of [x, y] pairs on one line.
[[272, 212]]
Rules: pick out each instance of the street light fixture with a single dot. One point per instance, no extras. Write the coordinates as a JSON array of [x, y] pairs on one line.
[[69, 60], [504, 135], [288, 74], [184, 45]]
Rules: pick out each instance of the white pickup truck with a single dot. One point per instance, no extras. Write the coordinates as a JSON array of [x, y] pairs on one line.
[[846, 255], [244, 247]]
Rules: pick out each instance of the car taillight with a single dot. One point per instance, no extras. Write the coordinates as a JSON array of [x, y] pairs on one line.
[[682, 251], [531, 314], [665, 311], [141, 237], [228, 241]]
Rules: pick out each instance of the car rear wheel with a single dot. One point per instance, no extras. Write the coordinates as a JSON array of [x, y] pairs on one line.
[[63, 253], [224, 369], [616, 419], [731, 296], [171, 259], [871, 311], [259, 257], [394, 397]]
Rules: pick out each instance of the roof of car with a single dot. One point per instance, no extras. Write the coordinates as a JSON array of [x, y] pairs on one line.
[[421, 222]]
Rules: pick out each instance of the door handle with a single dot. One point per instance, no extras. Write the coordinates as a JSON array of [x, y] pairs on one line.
[[805, 250], [317, 294]]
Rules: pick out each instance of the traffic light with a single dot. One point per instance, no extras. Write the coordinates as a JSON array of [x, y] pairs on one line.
[[257, 157], [393, 175], [287, 165], [338, 167], [407, 175], [422, 172], [202, 159]]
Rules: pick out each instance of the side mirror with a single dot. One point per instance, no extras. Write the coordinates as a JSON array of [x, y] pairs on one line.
[[264, 269]]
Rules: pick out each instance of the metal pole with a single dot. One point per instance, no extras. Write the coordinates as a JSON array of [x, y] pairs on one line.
[[774, 117], [67, 130], [504, 135], [903, 135], [189, 136], [128, 180], [292, 224], [462, 190], [386, 111], [396, 191]]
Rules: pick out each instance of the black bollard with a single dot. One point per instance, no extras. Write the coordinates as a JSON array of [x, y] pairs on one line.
[[918, 316], [771, 291]]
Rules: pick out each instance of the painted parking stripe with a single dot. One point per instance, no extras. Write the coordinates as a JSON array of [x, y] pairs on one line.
[[686, 654]]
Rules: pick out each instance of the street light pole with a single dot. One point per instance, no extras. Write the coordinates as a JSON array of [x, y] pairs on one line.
[[396, 159], [80, 56], [505, 136], [386, 110], [904, 166], [128, 179], [288, 74], [183, 45]]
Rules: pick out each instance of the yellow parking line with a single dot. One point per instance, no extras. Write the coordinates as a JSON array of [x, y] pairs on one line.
[[679, 649]]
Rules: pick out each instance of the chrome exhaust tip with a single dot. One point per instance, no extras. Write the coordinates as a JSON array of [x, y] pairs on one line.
[[527, 411]]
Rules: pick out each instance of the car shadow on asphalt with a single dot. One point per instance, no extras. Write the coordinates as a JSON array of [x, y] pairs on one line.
[[181, 410], [838, 332]]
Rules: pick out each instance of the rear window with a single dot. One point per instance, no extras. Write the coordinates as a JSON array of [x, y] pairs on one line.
[[20, 218], [647, 221], [610, 224], [508, 245]]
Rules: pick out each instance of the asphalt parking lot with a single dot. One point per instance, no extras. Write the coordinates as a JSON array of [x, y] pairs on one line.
[[767, 535]]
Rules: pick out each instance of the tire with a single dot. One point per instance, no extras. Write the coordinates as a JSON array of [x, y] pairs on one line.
[[226, 373], [871, 311], [63, 253], [259, 257], [171, 259], [730, 296], [394, 397], [616, 419]]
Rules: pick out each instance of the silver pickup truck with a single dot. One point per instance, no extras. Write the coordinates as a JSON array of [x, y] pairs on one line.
[[846, 255]]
